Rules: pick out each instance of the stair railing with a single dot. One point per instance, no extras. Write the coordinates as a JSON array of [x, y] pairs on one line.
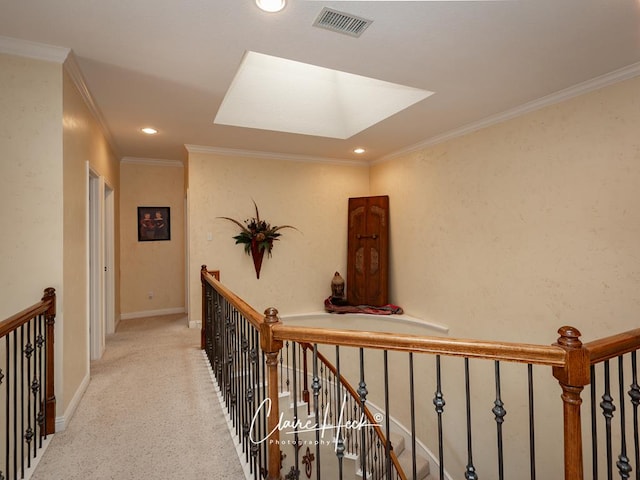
[[27, 395], [573, 364]]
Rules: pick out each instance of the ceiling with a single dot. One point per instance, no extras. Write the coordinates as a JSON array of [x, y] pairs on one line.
[[168, 64]]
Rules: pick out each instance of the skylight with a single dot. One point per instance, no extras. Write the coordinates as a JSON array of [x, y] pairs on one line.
[[272, 93]]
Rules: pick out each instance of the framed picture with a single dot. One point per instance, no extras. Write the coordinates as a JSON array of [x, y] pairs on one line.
[[154, 224]]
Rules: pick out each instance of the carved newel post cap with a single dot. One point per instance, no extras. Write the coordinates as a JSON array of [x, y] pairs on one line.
[[569, 337], [271, 315]]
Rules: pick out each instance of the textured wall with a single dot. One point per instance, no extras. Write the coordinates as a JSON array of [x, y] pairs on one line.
[[515, 230], [507, 234], [83, 141], [156, 267], [310, 196]]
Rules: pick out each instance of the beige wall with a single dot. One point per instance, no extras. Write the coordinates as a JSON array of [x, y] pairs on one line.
[[509, 233], [515, 230], [47, 135], [30, 181], [310, 196], [156, 267], [83, 141]]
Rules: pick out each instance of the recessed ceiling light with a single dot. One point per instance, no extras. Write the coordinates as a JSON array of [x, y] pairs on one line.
[[359, 150], [271, 5], [149, 130]]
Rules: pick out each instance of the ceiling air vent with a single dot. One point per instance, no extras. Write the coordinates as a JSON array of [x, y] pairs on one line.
[[341, 22]]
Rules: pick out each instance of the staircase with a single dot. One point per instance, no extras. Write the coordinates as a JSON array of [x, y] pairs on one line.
[[351, 465]]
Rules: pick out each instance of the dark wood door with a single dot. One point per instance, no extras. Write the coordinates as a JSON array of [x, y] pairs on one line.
[[368, 251]]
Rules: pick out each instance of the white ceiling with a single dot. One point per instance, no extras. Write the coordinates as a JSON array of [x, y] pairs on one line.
[[169, 63]]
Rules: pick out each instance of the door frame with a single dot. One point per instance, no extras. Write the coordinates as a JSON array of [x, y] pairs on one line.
[[100, 262]]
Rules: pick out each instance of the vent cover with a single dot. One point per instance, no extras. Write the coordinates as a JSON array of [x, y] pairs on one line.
[[341, 22]]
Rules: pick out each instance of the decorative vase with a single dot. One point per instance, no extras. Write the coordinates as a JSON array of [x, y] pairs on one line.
[[257, 254]]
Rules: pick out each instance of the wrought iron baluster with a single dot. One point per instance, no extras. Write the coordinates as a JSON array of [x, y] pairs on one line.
[[288, 365], [607, 410], [499, 412], [7, 402], [19, 439], [594, 425], [316, 387], [29, 349], [532, 423], [634, 394], [339, 420], [470, 473], [40, 402], [362, 395], [296, 438], [412, 413], [387, 416], [624, 468], [439, 403]]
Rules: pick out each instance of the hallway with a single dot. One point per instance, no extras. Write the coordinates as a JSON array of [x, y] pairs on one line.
[[150, 411]]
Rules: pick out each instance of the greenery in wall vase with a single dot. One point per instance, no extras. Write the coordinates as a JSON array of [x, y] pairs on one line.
[[257, 236]]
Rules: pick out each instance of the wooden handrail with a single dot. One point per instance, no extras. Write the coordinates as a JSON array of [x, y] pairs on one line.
[[15, 321], [613, 346], [372, 421], [514, 352]]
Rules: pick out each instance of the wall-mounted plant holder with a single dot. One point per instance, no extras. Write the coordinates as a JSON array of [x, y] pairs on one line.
[[257, 236]]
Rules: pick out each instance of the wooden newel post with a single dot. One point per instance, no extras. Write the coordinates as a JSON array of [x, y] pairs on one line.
[[572, 378], [49, 388], [271, 348]]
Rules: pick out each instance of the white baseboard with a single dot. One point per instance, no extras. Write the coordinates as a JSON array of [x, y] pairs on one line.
[[195, 323], [152, 313], [28, 472], [63, 421]]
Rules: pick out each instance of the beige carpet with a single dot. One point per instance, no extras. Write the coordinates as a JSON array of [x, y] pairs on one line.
[[150, 412]]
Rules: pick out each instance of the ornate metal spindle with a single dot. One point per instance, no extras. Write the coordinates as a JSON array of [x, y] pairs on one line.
[[499, 412], [594, 425], [624, 468], [532, 435], [40, 402], [412, 412], [339, 421], [439, 403], [387, 416], [634, 394], [607, 410], [315, 387], [324, 384], [470, 473], [29, 349], [281, 376], [288, 366], [264, 417], [253, 389], [296, 449], [7, 402], [329, 399], [362, 396], [22, 390]]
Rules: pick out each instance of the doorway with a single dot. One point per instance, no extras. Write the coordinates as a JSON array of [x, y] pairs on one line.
[[101, 285]]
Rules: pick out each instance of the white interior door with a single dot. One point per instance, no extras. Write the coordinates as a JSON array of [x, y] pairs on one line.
[[101, 264]]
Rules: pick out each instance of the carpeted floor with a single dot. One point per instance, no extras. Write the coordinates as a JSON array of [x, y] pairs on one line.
[[150, 412]]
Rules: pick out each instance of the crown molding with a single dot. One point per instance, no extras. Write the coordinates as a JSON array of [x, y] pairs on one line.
[[38, 51], [155, 162], [588, 86], [275, 156], [73, 69]]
